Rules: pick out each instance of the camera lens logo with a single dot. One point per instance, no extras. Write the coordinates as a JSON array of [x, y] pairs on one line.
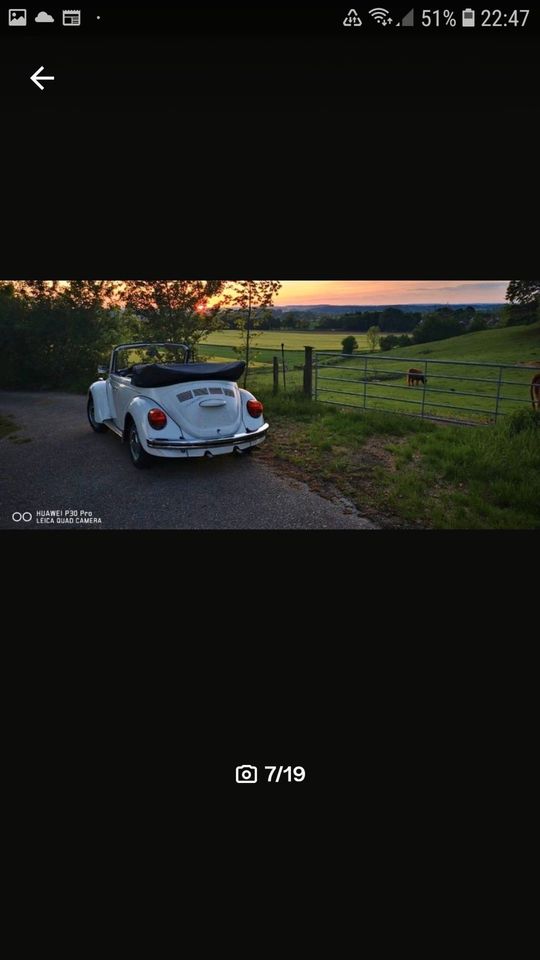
[[246, 774], [25, 517]]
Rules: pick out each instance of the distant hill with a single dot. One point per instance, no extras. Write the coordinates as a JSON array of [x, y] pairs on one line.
[[505, 345], [330, 308]]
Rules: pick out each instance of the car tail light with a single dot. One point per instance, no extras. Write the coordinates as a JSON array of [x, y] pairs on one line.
[[157, 418], [255, 408]]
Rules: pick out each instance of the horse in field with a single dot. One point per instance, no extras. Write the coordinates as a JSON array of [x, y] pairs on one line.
[[415, 377], [535, 391]]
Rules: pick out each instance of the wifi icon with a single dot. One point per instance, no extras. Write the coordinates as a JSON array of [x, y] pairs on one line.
[[381, 15]]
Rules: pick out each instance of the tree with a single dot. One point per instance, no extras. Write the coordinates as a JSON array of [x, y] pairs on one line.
[[13, 335], [523, 303], [477, 323], [252, 301], [349, 345], [87, 294], [439, 325], [184, 311], [58, 331], [373, 336], [44, 290], [523, 291]]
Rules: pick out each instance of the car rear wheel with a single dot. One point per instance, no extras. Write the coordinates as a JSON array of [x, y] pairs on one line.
[[139, 457], [98, 427]]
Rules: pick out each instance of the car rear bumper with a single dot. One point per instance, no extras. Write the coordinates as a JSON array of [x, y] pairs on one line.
[[237, 440]]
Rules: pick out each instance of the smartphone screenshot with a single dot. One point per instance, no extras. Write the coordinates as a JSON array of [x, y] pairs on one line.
[[367, 396]]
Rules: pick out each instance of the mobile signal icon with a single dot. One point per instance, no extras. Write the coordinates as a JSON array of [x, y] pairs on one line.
[[381, 15], [408, 19]]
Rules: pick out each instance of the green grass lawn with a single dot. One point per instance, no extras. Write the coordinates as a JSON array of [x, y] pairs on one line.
[[403, 471], [448, 386]]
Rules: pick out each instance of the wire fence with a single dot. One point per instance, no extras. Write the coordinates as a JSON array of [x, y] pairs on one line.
[[433, 389], [262, 359]]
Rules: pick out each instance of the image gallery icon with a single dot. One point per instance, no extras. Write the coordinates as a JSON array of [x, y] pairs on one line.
[[246, 774], [71, 18], [17, 18]]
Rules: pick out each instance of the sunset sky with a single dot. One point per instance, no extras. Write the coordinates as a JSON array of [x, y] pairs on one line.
[[391, 291]]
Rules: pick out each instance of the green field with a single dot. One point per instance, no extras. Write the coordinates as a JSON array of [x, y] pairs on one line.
[[293, 339], [448, 387], [452, 390], [219, 346]]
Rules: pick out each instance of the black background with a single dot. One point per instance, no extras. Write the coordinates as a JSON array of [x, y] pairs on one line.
[[261, 144], [274, 140]]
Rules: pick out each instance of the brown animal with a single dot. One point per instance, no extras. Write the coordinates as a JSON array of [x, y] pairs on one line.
[[415, 377], [535, 391]]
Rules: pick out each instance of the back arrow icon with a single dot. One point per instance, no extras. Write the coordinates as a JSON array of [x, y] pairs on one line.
[[37, 74]]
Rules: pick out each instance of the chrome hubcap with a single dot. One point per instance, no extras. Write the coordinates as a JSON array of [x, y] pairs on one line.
[[134, 443]]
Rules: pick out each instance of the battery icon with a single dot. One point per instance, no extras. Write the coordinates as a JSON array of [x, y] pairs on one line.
[[467, 18]]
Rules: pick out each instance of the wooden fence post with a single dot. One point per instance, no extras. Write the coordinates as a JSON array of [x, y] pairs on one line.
[[308, 371], [276, 375]]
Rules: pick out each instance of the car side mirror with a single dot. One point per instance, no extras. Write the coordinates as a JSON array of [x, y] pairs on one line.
[[103, 371]]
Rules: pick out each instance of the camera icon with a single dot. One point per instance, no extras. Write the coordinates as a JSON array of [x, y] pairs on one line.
[[246, 774]]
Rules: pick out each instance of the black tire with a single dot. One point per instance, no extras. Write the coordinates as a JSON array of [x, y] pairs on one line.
[[139, 457], [96, 427]]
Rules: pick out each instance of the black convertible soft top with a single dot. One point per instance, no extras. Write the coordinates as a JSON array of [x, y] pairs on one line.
[[167, 374]]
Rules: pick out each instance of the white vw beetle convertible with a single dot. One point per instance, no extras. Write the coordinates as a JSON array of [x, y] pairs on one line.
[[164, 406]]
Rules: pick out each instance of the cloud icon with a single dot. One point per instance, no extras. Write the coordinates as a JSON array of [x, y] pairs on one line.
[[44, 17]]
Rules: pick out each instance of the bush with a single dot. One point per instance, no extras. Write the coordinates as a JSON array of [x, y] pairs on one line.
[[51, 344], [477, 324], [392, 341], [522, 420], [349, 345]]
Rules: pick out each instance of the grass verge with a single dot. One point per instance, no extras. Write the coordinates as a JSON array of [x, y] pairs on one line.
[[7, 426], [404, 472]]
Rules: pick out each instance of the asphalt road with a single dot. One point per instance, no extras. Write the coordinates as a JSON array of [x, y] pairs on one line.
[[56, 462]]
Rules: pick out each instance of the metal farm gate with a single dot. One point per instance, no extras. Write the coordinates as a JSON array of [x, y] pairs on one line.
[[472, 391]]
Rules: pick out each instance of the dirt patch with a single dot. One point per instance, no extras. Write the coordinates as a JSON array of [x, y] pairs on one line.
[[354, 485]]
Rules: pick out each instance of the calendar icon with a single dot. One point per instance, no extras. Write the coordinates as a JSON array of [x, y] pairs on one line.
[[71, 18]]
